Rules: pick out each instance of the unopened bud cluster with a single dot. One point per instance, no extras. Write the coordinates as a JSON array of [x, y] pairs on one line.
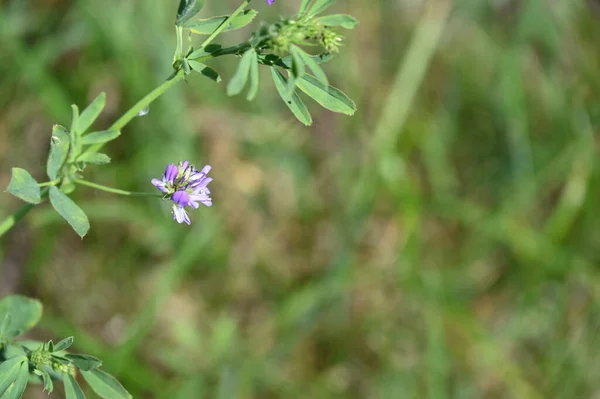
[[285, 33]]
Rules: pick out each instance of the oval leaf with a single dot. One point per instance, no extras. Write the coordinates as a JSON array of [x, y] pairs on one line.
[[69, 211], [187, 9], [24, 314], [328, 96], [89, 115], [293, 102], [105, 385], [205, 70], [237, 83], [95, 158], [83, 362], [63, 344], [59, 149], [72, 388], [208, 26], [16, 391], [100, 137], [23, 186], [343, 20], [9, 370], [311, 64], [254, 77]]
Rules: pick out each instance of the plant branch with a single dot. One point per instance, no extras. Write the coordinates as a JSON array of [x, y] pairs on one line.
[[225, 23], [115, 190]]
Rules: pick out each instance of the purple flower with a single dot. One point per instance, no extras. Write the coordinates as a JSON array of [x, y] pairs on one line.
[[185, 186], [270, 2]]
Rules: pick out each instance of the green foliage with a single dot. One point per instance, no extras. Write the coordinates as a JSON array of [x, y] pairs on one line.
[[208, 26], [22, 362], [105, 385], [238, 81], [59, 150], [205, 70], [328, 96], [72, 388], [293, 101], [18, 314], [318, 6], [89, 115], [188, 9], [69, 210], [343, 20], [24, 186]]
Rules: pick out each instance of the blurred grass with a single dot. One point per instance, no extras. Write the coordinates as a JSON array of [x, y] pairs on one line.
[[441, 243]]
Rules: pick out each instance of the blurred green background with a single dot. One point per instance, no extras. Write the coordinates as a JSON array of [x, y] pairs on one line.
[[441, 243]]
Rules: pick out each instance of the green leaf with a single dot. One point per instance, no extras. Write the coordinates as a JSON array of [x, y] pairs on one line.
[[187, 9], [72, 388], [74, 117], [311, 64], [100, 137], [16, 391], [319, 59], [83, 362], [48, 384], [293, 102], [328, 96], [89, 115], [11, 363], [343, 20], [254, 76], [59, 150], [205, 70], [303, 7], [69, 211], [208, 26], [105, 385], [95, 158], [5, 326], [319, 6], [23, 186], [63, 344], [298, 66], [24, 314], [9, 370], [186, 66], [237, 83]]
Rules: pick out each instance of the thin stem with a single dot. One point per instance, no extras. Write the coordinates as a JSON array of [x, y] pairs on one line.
[[179, 50], [49, 183], [115, 190], [225, 23], [10, 221], [143, 103]]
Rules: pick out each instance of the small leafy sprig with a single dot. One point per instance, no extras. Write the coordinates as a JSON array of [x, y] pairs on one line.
[[293, 48], [24, 362]]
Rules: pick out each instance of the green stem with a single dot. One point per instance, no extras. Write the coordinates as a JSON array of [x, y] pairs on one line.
[[49, 183], [115, 190], [179, 50], [143, 103], [225, 23], [10, 221], [178, 75]]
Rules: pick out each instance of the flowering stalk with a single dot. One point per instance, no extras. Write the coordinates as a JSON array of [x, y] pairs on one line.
[[279, 46], [115, 190]]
